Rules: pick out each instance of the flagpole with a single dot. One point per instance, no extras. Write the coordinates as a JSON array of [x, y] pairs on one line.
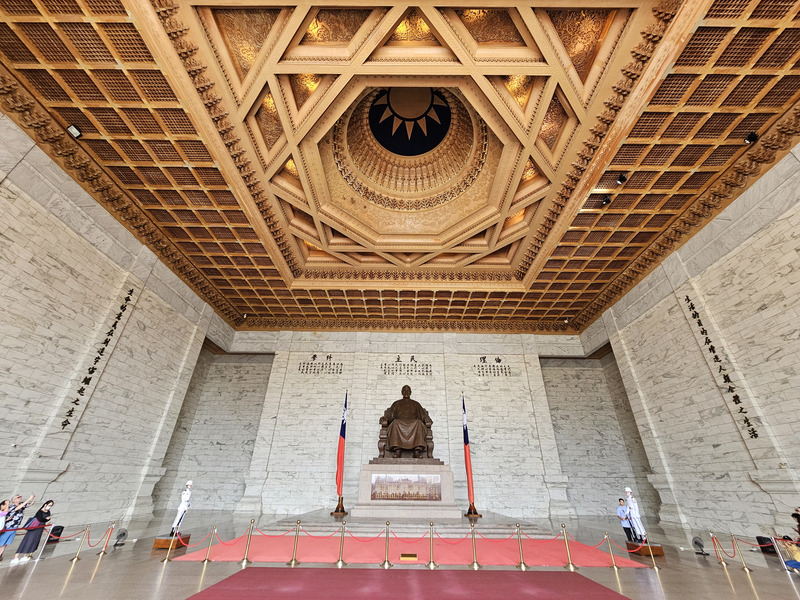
[[339, 511], [472, 512]]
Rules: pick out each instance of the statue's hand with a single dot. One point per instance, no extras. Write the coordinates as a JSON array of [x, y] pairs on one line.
[[383, 421]]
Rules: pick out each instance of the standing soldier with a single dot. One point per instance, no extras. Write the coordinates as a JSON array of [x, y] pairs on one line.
[[186, 496], [634, 517]]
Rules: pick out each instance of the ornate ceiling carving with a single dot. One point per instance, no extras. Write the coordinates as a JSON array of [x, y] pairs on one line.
[[410, 166]]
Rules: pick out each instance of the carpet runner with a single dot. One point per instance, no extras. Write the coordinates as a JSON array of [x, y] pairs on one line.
[[357, 550], [416, 584]]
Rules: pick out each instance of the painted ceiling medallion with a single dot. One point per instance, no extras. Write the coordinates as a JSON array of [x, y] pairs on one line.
[[410, 148]]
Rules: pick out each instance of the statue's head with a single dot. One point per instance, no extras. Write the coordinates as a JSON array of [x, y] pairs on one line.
[[406, 391]]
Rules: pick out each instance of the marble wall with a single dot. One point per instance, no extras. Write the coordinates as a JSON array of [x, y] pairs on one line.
[[591, 419], [692, 385], [91, 391], [213, 440], [294, 460]]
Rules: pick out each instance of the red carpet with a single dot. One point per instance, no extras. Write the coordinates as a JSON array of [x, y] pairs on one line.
[[278, 549], [369, 584]]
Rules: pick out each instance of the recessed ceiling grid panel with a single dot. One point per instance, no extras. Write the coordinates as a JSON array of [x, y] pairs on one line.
[[412, 166]]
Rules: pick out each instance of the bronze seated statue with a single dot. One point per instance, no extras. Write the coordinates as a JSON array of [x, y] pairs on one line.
[[406, 429]]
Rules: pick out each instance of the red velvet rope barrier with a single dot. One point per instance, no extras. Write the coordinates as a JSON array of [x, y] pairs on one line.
[[233, 543], [596, 545], [25, 528], [759, 545], [545, 541], [625, 549], [65, 537], [495, 541], [424, 535], [364, 540], [451, 543], [319, 537], [89, 539], [183, 542], [723, 550], [275, 536]]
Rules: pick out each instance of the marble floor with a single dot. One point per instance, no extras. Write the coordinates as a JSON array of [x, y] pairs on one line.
[[135, 571]]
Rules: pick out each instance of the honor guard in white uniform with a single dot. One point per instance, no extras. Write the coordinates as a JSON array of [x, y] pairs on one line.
[[186, 496]]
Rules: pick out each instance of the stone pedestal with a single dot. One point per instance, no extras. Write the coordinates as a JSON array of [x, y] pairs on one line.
[[392, 489], [163, 542]]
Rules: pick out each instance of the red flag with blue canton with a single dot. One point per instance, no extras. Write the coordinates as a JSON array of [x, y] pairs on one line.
[[467, 459], [340, 452]]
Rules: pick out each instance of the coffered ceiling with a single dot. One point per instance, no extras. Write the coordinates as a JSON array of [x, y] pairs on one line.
[[461, 166]]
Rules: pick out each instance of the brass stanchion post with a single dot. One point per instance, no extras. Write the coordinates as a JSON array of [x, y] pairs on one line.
[[653, 558], [340, 563], [246, 561], [386, 564], [569, 566], [611, 552], [521, 566], [294, 562], [77, 557], [431, 563], [474, 564], [49, 531], [207, 559], [745, 568], [716, 549], [169, 548], [108, 538], [780, 556]]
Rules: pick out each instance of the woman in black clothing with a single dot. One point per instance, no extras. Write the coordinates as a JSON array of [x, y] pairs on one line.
[[32, 537]]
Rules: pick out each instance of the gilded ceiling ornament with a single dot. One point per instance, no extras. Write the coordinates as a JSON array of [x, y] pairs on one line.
[[268, 121], [581, 33], [520, 87], [303, 85], [413, 28], [244, 31], [553, 122], [335, 27], [490, 26], [410, 148]]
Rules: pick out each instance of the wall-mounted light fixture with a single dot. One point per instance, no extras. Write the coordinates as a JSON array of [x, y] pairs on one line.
[[751, 138], [606, 200], [622, 178]]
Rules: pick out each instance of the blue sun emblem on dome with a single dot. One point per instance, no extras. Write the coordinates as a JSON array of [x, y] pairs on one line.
[[409, 121]]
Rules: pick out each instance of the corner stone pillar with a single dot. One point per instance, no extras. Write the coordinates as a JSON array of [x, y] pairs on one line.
[[251, 501], [554, 478], [142, 506], [662, 480]]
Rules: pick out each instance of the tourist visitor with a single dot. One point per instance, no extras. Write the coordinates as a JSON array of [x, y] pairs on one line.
[[622, 514], [13, 520], [33, 536]]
